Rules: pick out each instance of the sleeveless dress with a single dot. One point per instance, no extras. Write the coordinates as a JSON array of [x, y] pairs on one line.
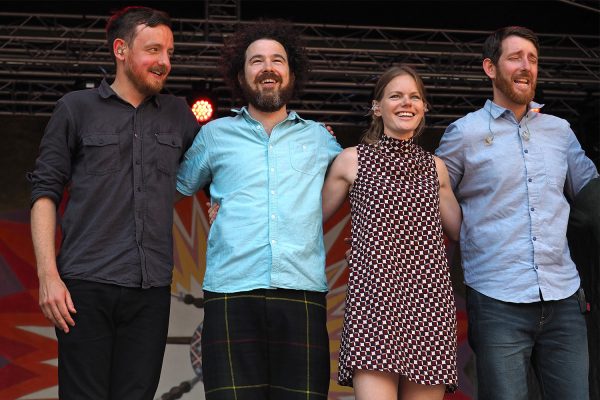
[[400, 314]]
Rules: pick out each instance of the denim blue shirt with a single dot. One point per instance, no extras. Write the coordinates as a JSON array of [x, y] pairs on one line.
[[268, 232], [510, 179]]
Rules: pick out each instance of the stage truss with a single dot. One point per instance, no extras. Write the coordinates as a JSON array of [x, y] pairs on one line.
[[43, 56]]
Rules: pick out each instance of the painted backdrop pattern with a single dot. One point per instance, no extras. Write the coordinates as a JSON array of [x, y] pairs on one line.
[[28, 364]]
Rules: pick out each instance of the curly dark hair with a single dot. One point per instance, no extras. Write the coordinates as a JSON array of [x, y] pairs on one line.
[[233, 55]]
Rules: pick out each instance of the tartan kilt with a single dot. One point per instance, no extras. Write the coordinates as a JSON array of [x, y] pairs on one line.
[[265, 344]]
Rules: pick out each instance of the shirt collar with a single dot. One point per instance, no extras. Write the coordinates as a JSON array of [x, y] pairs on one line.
[[106, 91], [292, 115], [496, 111]]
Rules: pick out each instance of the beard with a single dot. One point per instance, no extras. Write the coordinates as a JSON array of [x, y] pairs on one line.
[[147, 87], [269, 100], [505, 85]]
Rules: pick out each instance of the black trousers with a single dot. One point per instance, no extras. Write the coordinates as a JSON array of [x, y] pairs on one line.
[[115, 350]]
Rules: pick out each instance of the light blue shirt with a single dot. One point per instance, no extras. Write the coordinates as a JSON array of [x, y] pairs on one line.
[[509, 178], [268, 232]]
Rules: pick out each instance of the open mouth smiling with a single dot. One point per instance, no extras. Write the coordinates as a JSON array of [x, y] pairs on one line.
[[522, 82], [158, 72]]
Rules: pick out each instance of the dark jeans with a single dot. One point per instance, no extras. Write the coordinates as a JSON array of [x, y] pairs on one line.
[[115, 350], [509, 337]]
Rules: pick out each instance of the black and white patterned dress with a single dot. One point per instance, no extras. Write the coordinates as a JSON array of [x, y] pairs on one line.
[[400, 315]]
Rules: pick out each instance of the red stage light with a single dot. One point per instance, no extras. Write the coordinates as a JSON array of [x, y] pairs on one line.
[[203, 109]]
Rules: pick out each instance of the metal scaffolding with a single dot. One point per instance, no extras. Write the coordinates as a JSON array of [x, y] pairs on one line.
[[44, 56]]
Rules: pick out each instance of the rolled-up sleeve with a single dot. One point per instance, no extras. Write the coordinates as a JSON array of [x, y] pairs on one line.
[[194, 172], [52, 169]]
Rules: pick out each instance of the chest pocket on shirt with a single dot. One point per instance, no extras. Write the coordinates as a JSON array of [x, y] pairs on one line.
[[303, 158], [169, 152], [555, 163], [101, 154]]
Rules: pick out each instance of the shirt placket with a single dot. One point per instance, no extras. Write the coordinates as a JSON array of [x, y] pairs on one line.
[[139, 191], [274, 173], [533, 182]]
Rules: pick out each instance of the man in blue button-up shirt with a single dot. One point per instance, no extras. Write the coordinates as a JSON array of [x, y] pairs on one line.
[[264, 333], [510, 166]]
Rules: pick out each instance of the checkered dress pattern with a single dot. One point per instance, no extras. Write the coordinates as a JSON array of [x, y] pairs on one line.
[[400, 315]]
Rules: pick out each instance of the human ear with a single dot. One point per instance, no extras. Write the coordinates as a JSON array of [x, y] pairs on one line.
[[376, 109], [119, 46], [489, 68]]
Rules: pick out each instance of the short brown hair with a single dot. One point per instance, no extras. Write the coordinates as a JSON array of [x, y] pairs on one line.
[[492, 47], [123, 23]]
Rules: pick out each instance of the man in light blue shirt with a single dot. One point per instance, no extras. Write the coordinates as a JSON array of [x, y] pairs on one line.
[[264, 334], [510, 166]]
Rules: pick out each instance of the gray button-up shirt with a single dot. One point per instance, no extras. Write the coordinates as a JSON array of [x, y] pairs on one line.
[[119, 165]]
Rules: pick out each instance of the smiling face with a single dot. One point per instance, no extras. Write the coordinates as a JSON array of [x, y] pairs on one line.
[[266, 82], [515, 75], [401, 107], [147, 60]]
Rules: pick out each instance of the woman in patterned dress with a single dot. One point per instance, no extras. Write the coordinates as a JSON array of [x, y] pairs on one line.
[[399, 333]]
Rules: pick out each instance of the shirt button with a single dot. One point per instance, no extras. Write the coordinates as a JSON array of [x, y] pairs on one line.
[[526, 151], [272, 192], [532, 209], [257, 126], [137, 162], [273, 241], [139, 189], [535, 266], [272, 169], [534, 238], [530, 180], [173, 142], [272, 216]]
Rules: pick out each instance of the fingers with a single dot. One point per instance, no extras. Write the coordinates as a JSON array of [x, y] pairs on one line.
[[52, 311], [61, 317], [348, 252], [70, 305], [212, 212], [57, 305], [330, 129], [66, 308]]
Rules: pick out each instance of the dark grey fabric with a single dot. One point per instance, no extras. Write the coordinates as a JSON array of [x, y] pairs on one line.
[[119, 165]]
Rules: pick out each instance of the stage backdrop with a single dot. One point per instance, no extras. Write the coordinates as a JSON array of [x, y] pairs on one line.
[[28, 364]]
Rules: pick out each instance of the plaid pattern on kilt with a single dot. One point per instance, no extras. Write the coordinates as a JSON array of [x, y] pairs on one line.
[[265, 344]]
